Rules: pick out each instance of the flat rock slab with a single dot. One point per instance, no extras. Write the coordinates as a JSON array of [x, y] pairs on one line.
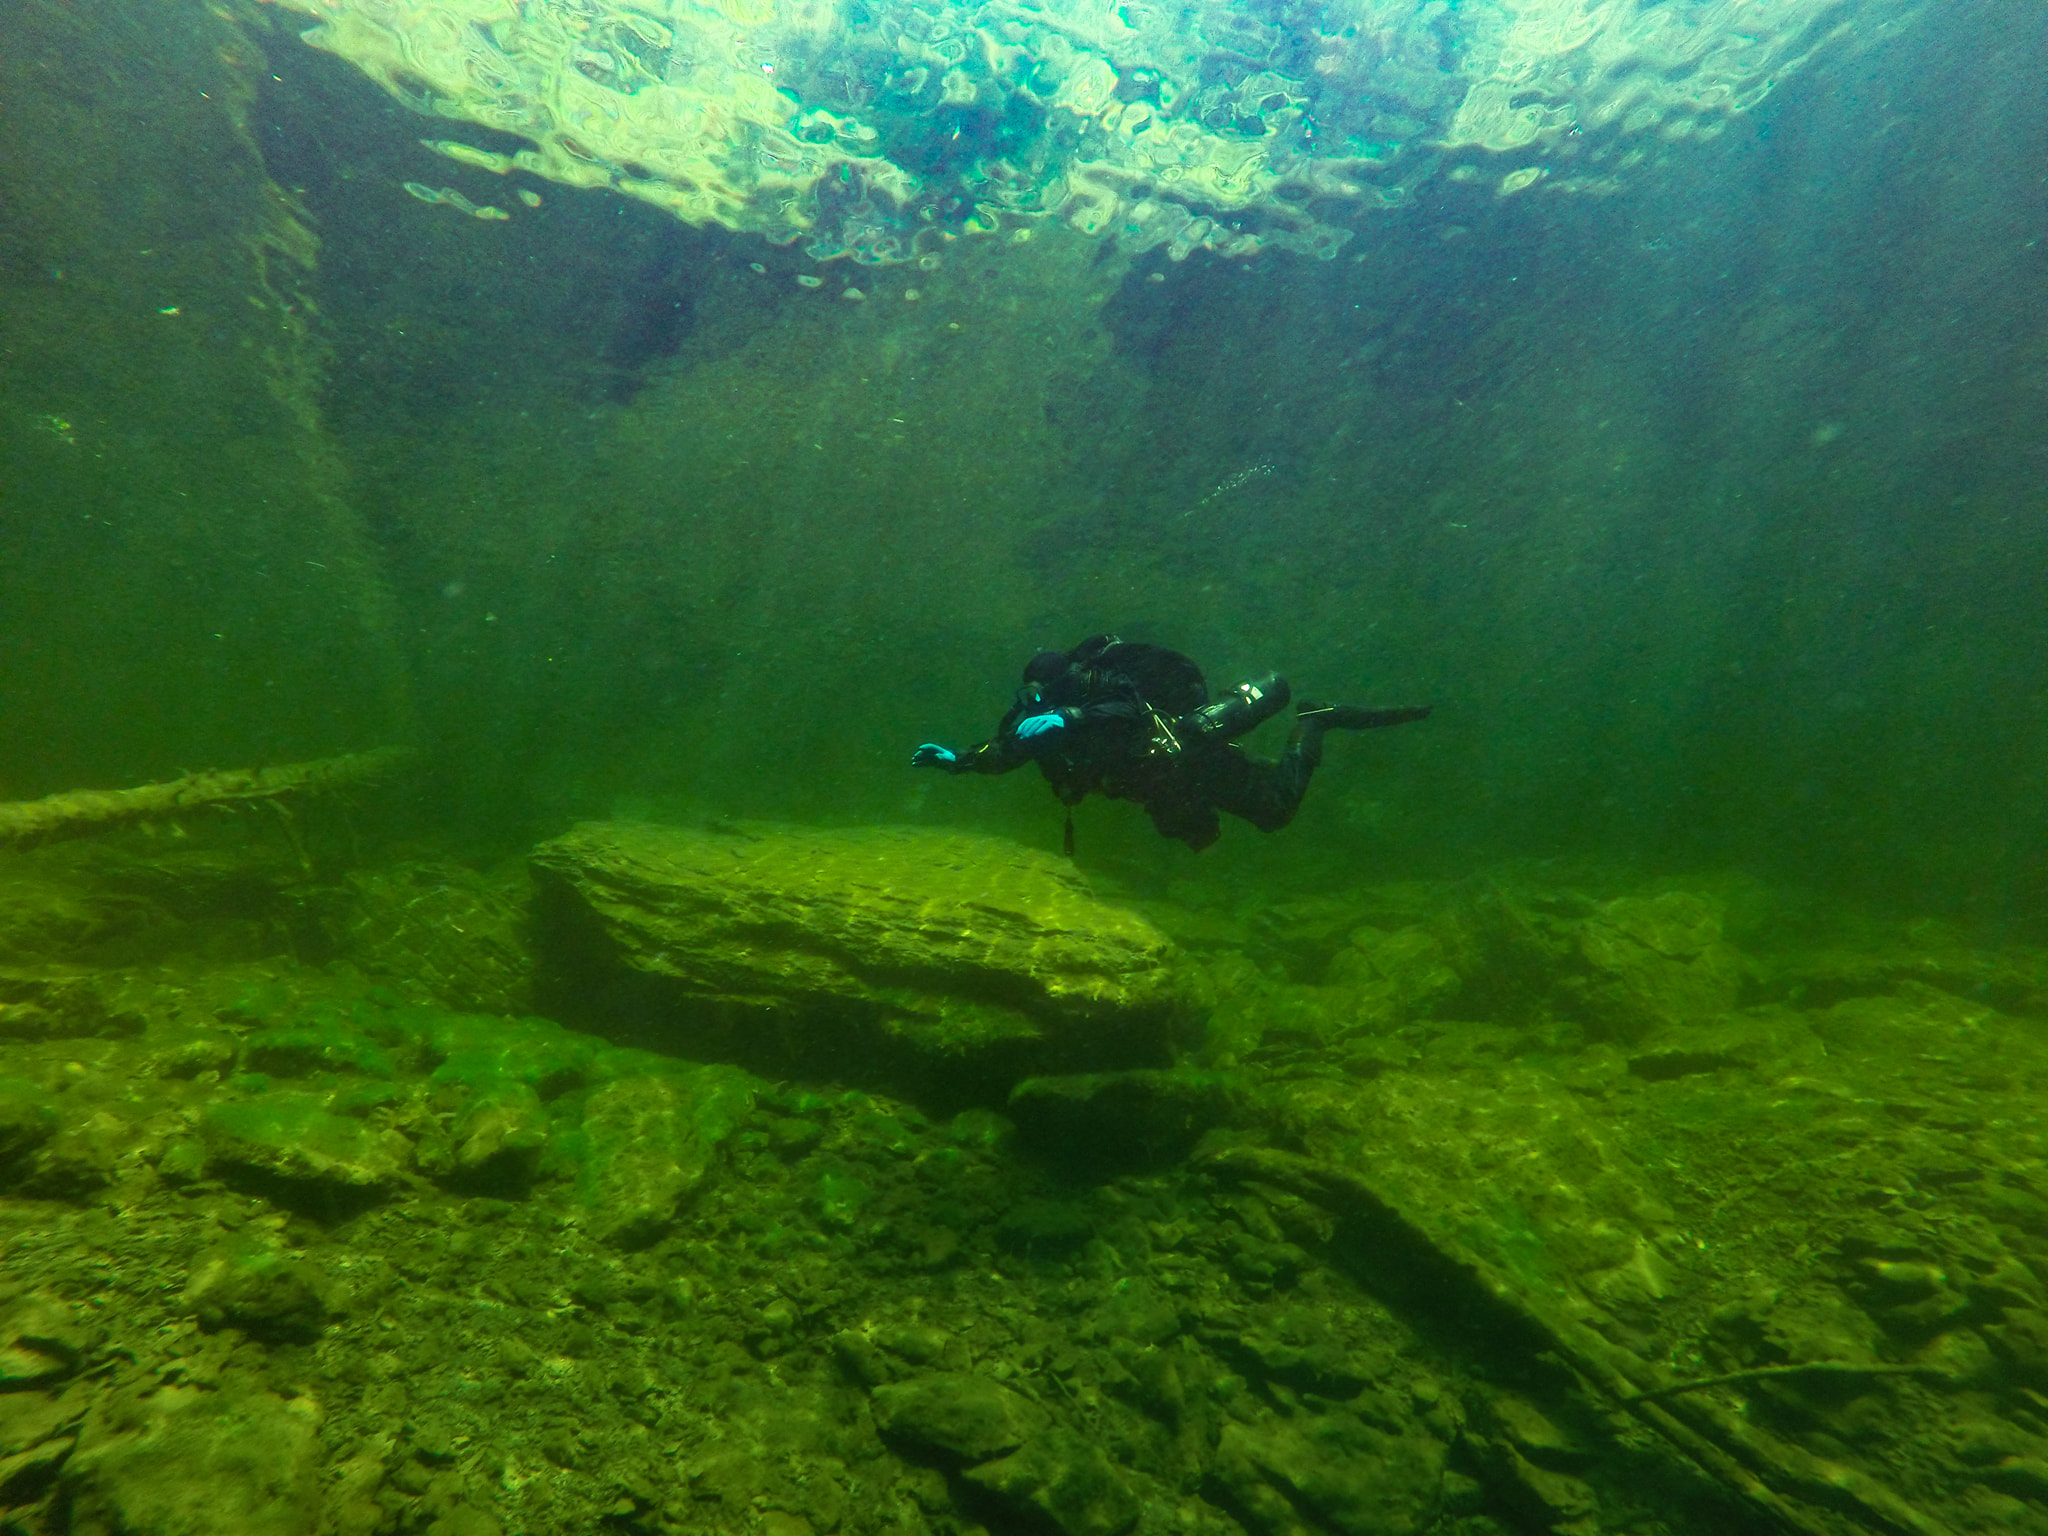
[[947, 943]]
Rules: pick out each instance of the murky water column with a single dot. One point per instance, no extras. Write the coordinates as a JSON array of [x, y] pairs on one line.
[[1536, 377], [184, 583], [811, 522]]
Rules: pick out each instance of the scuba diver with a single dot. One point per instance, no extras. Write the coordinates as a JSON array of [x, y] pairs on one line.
[[1134, 722]]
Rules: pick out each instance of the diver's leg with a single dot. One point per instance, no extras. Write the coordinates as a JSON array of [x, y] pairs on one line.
[[1356, 717], [1191, 821], [1266, 794]]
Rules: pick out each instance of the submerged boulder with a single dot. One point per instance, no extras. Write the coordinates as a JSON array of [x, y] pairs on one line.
[[182, 1461], [1065, 1480], [43, 1341], [810, 943], [262, 1290], [955, 1415], [298, 1143], [28, 1118], [1355, 1479], [647, 1143], [1656, 961]]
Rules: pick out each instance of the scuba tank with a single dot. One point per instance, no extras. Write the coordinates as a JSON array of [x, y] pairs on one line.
[[1236, 712]]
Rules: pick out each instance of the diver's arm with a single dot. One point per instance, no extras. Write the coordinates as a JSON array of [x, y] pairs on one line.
[[999, 754], [1042, 729], [1029, 732], [1025, 736]]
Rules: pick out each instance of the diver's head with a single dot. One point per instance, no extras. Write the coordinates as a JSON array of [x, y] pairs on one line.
[[1046, 668], [1049, 678]]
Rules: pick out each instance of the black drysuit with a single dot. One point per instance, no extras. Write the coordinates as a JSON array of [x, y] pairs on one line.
[[1121, 702]]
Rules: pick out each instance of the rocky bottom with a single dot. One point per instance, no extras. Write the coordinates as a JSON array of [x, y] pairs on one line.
[[1452, 1214]]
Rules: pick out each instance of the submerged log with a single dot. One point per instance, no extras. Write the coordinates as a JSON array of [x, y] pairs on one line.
[[75, 813]]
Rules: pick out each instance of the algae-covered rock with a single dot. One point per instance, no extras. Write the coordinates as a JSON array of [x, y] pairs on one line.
[[183, 1461], [523, 1098], [42, 1342], [1657, 961], [1065, 1479], [265, 1293], [42, 917], [2020, 1340], [2013, 980], [484, 1053], [1044, 1231], [1306, 927], [28, 1118], [301, 1052], [296, 1137], [50, 1150], [1256, 1014], [38, 1431], [956, 1414], [1770, 1042], [63, 1003], [1530, 1460], [647, 1143], [1350, 1477], [1919, 1019], [500, 1130], [1506, 948], [1509, 1174], [1542, 1495], [946, 943], [1399, 975]]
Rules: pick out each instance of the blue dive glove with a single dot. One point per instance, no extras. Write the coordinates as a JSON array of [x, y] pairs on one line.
[[932, 755], [1039, 725]]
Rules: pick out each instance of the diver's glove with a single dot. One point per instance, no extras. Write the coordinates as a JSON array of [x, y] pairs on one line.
[[1040, 725], [931, 755]]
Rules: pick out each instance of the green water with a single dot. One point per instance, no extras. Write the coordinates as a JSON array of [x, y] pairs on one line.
[[1667, 1006]]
